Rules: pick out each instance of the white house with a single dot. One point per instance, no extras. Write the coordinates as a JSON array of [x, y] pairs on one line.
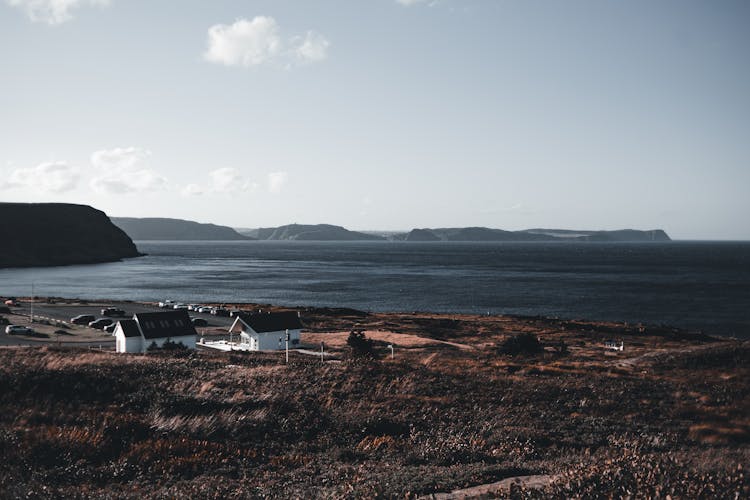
[[267, 331], [146, 329], [614, 345]]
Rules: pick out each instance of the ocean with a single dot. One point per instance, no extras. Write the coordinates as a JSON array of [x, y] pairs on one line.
[[694, 285]]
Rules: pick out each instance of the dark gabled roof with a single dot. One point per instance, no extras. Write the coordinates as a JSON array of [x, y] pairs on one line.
[[157, 325], [129, 328], [272, 322]]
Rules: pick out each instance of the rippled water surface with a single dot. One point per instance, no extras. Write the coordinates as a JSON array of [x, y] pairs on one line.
[[699, 285]]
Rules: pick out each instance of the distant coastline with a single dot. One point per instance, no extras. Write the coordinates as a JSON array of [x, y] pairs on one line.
[[161, 229]]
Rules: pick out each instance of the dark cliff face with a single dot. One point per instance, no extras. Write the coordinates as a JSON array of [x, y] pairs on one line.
[[57, 234]]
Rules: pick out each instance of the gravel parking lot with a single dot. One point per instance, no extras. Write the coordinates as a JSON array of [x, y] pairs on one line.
[[53, 318]]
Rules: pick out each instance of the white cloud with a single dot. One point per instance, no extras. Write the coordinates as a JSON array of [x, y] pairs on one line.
[[121, 170], [312, 48], [53, 11], [259, 41], [409, 3], [119, 158], [244, 43], [276, 181], [222, 181], [54, 177]]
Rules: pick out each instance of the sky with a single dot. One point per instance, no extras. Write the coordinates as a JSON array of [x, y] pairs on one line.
[[383, 114]]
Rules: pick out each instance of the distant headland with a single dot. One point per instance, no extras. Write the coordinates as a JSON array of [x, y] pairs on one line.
[[153, 228], [327, 232], [57, 234], [177, 229]]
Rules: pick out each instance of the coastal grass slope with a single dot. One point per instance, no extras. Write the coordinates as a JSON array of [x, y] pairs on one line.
[[455, 410]]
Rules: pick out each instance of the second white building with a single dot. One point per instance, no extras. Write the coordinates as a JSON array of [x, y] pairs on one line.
[[267, 331]]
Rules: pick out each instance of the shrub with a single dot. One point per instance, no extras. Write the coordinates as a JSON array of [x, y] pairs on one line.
[[521, 343], [361, 347], [170, 345]]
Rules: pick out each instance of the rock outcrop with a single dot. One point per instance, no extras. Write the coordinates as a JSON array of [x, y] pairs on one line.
[[57, 234]]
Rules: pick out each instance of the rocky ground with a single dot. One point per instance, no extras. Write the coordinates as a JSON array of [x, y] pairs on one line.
[[669, 415]]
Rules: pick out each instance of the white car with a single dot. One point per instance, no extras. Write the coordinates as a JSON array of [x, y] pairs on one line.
[[166, 304], [17, 330], [194, 307], [180, 306], [205, 310]]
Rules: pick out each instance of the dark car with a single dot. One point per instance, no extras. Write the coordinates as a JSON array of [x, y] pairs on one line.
[[110, 328], [83, 319], [18, 330], [219, 311], [112, 311], [100, 323], [199, 322]]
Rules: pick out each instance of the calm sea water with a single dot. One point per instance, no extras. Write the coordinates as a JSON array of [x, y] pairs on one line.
[[696, 285]]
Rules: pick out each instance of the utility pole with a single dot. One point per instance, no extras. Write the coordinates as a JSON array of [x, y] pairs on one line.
[[287, 346], [321, 352], [31, 317]]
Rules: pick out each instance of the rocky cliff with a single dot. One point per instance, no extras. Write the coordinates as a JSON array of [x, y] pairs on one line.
[[56, 234]]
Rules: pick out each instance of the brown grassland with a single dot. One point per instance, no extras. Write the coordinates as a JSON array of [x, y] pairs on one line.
[[670, 415]]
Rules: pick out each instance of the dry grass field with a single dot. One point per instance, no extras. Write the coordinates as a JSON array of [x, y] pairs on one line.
[[670, 415]]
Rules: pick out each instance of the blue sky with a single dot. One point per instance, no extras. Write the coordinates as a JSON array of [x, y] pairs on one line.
[[383, 114]]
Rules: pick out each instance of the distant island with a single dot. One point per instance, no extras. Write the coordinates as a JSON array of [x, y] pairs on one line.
[[175, 229], [327, 232], [303, 232], [487, 234], [56, 234]]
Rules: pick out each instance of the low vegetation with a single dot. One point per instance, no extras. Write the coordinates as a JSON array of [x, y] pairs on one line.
[[669, 419], [521, 343]]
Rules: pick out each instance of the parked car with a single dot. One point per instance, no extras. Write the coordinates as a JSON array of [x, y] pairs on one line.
[[219, 311], [11, 303], [18, 330], [100, 323], [110, 328], [167, 304], [199, 322], [180, 307], [205, 309], [194, 307], [112, 311], [234, 312], [82, 319]]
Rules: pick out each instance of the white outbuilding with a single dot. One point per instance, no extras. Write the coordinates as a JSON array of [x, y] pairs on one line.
[[267, 331], [156, 328]]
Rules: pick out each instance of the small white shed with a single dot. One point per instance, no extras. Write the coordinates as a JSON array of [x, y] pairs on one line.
[[267, 331]]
